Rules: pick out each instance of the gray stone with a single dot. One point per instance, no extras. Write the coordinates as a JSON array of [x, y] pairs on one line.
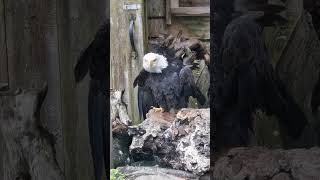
[[154, 173], [261, 163], [120, 138], [181, 142]]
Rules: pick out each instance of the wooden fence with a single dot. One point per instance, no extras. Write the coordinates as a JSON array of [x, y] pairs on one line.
[[40, 42]]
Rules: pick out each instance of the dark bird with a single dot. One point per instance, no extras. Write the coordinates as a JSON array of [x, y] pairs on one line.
[[250, 83], [93, 59], [165, 82]]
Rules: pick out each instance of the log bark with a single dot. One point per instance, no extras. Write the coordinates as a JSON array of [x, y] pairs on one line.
[[28, 146]]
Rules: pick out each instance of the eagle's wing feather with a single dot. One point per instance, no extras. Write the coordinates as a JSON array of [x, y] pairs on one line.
[[189, 87], [95, 56], [82, 66], [145, 101], [141, 78], [145, 98]]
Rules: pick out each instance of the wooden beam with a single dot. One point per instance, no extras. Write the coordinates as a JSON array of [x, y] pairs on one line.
[[156, 17], [3, 49], [191, 11], [174, 3], [168, 12]]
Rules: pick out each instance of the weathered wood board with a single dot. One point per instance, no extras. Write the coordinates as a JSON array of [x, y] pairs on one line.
[[78, 22], [156, 13], [191, 11], [32, 55], [193, 27], [25, 27], [124, 66], [43, 41], [3, 77], [3, 49], [193, 3], [183, 15]]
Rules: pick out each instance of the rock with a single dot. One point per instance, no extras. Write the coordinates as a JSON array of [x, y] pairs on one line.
[[181, 142], [154, 173], [120, 149], [261, 163], [119, 113]]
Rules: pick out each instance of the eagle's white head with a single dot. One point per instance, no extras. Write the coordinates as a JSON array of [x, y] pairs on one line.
[[154, 63]]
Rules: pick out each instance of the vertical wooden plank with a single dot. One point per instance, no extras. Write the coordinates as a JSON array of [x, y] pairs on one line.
[[3, 49], [51, 111], [67, 87], [193, 3], [168, 12], [156, 17], [78, 22], [125, 67], [174, 3], [26, 53], [120, 46], [32, 48], [2, 155]]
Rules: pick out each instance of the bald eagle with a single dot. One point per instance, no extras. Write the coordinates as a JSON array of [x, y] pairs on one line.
[[166, 83]]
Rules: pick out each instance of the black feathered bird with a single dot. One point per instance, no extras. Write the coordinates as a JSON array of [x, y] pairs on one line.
[[248, 82], [165, 82], [93, 59]]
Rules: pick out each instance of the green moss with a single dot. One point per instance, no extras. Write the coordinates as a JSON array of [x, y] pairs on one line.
[[115, 174]]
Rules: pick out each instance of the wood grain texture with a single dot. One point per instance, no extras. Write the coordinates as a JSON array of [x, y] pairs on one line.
[[78, 22], [25, 27], [124, 66], [192, 27], [156, 8], [168, 12], [3, 49], [33, 54], [193, 3], [44, 39], [191, 11], [174, 3]]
